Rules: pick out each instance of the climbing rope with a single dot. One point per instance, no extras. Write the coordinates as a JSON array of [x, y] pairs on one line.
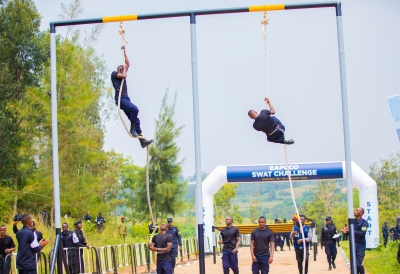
[[295, 206], [123, 41], [148, 193], [264, 24]]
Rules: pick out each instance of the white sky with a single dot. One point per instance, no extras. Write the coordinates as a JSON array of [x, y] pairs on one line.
[[303, 78]]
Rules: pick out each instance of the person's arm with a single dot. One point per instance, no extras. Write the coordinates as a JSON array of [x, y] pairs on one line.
[[178, 236], [126, 58], [15, 228], [272, 250], [322, 238], [271, 107], [237, 245], [252, 251], [12, 247], [293, 233]]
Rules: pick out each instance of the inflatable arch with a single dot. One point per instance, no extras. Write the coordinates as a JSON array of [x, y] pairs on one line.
[[299, 172]]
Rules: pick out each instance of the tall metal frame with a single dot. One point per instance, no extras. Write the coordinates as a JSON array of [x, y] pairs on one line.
[[192, 16]]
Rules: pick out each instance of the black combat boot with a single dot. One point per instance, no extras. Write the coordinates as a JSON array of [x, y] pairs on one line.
[[289, 142], [144, 143], [133, 130], [333, 264], [330, 266]]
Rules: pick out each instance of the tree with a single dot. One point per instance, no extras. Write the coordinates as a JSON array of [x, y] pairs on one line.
[[223, 206], [386, 175], [324, 203], [23, 50], [166, 190], [255, 207]]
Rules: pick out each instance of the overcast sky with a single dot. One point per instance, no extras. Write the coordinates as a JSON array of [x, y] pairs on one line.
[[303, 78]]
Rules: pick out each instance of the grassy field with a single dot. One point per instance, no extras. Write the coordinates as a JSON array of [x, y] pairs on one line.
[[379, 260]]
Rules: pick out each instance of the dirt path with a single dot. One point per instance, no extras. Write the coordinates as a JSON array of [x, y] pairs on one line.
[[284, 262]]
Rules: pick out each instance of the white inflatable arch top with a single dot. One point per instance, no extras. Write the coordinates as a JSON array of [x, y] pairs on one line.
[[299, 172]]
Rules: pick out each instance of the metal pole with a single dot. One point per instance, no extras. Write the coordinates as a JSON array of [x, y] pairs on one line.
[[196, 119], [54, 127], [346, 129], [214, 249]]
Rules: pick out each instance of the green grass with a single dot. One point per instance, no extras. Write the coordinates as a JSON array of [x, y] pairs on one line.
[[379, 260]]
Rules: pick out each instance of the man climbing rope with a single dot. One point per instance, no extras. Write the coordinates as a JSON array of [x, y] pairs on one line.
[[269, 124], [126, 105]]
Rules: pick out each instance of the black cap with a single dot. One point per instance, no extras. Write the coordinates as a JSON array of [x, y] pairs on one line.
[[328, 218], [78, 222], [169, 220]]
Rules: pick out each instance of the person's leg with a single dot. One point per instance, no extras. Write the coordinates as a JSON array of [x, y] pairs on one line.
[[264, 265], [234, 263], [8, 265], [334, 253], [328, 252], [299, 259], [166, 267], [255, 267], [360, 254], [131, 112], [398, 254], [173, 253], [225, 261], [385, 240], [159, 269], [307, 256]]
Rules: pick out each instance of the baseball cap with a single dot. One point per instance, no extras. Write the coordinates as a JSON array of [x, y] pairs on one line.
[[169, 220], [328, 218]]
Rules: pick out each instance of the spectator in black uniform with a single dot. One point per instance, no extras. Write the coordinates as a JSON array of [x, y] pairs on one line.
[[262, 246], [396, 231], [286, 236], [360, 229], [176, 242], [230, 238], [28, 245], [77, 264], [385, 234], [278, 239], [270, 125], [87, 217], [7, 246], [327, 240], [162, 243], [67, 242]]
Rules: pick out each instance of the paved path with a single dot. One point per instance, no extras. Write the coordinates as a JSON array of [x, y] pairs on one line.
[[284, 262]]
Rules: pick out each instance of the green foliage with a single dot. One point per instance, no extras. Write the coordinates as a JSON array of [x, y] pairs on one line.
[[166, 190], [23, 50], [325, 202], [223, 206], [379, 260], [255, 208], [386, 175]]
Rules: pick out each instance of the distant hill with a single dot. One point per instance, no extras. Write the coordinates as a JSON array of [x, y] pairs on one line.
[[274, 198]]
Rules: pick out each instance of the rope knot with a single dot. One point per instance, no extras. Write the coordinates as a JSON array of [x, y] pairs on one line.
[[122, 33], [264, 23]]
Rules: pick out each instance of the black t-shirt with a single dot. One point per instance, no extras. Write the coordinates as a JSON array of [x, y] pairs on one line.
[[117, 85], [229, 236], [6, 243], [264, 122], [261, 239], [161, 241]]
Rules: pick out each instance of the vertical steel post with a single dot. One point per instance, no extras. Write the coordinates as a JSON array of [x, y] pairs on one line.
[[346, 131], [196, 120], [54, 128]]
